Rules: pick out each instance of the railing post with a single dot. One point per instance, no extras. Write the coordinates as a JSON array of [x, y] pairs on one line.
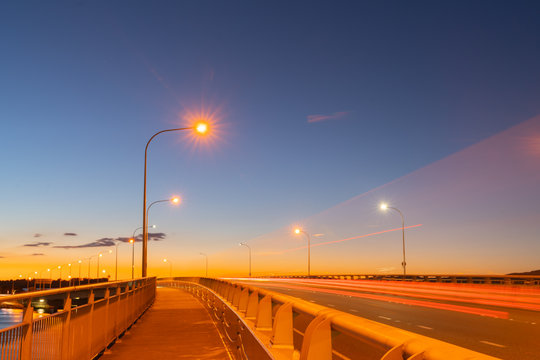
[[244, 297], [90, 323], [282, 331], [253, 303], [317, 343], [264, 314], [65, 329], [26, 343], [106, 327]]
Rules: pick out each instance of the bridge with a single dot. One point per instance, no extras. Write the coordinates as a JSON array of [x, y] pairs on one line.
[[315, 318]]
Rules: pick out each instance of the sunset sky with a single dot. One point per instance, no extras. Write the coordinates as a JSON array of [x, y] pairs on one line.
[[319, 111]]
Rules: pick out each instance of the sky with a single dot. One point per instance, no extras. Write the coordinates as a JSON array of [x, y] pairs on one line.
[[313, 105]]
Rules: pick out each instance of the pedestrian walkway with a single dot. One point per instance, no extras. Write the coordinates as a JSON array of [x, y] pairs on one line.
[[177, 326]]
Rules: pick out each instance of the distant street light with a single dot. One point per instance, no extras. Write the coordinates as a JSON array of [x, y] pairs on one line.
[[99, 255], [60, 277], [206, 256], [385, 207], [132, 242], [246, 245], [170, 267], [200, 128], [80, 261], [298, 231], [69, 276]]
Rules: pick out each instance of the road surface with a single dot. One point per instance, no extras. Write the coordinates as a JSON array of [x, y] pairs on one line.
[[496, 320]]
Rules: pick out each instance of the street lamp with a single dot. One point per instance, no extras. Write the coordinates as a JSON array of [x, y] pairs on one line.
[[132, 242], [80, 261], [206, 256], [97, 273], [175, 200], [60, 277], [170, 267], [385, 207], [297, 231], [200, 128], [69, 276], [246, 245]]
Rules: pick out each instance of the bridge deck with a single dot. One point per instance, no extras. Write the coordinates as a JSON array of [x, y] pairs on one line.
[[177, 326]]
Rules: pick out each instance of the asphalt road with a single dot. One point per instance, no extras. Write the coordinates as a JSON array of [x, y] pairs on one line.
[[499, 321]]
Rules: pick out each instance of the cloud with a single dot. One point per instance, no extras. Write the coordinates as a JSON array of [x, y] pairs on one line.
[[106, 242], [70, 234], [319, 117], [2, 257], [37, 254], [39, 243], [38, 235]]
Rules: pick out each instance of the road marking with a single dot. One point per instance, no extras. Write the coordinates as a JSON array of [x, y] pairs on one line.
[[332, 305], [353, 310], [385, 318], [312, 301], [492, 344], [425, 327]]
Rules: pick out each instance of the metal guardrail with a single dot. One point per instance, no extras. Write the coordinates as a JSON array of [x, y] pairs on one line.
[[89, 318], [527, 280], [240, 338], [292, 328]]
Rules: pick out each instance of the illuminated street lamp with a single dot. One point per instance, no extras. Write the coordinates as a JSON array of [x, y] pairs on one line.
[[60, 276], [80, 262], [132, 242], [385, 207], [170, 267], [206, 256], [199, 128], [246, 245], [175, 200], [298, 231], [97, 273]]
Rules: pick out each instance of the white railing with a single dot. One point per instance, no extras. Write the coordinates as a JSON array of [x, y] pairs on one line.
[[85, 320]]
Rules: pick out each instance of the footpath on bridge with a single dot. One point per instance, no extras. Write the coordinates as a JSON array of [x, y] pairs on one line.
[[177, 326]]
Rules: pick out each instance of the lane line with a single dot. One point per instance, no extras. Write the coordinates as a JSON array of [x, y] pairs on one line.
[[353, 310], [384, 317], [425, 327], [492, 344]]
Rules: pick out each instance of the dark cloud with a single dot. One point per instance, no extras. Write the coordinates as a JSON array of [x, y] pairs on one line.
[[39, 243], [38, 235], [37, 254], [70, 234], [106, 242], [2, 257]]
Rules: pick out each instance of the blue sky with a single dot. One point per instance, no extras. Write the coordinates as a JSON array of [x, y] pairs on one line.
[[395, 86]]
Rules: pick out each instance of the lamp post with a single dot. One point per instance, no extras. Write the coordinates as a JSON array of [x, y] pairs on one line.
[[385, 207], [175, 200], [298, 231], [50, 278], [170, 267], [60, 277], [206, 256], [246, 245], [97, 273], [132, 242], [200, 128], [80, 261]]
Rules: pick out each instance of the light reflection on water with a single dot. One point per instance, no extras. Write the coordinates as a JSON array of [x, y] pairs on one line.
[[9, 317]]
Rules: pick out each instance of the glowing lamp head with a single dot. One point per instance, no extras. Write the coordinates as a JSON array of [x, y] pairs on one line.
[[131, 241], [384, 206], [297, 231], [59, 267], [80, 261], [154, 226], [110, 251], [164, 260], [103, 271], [175, 200], [201, 128], [69, 264], [100, 255]]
